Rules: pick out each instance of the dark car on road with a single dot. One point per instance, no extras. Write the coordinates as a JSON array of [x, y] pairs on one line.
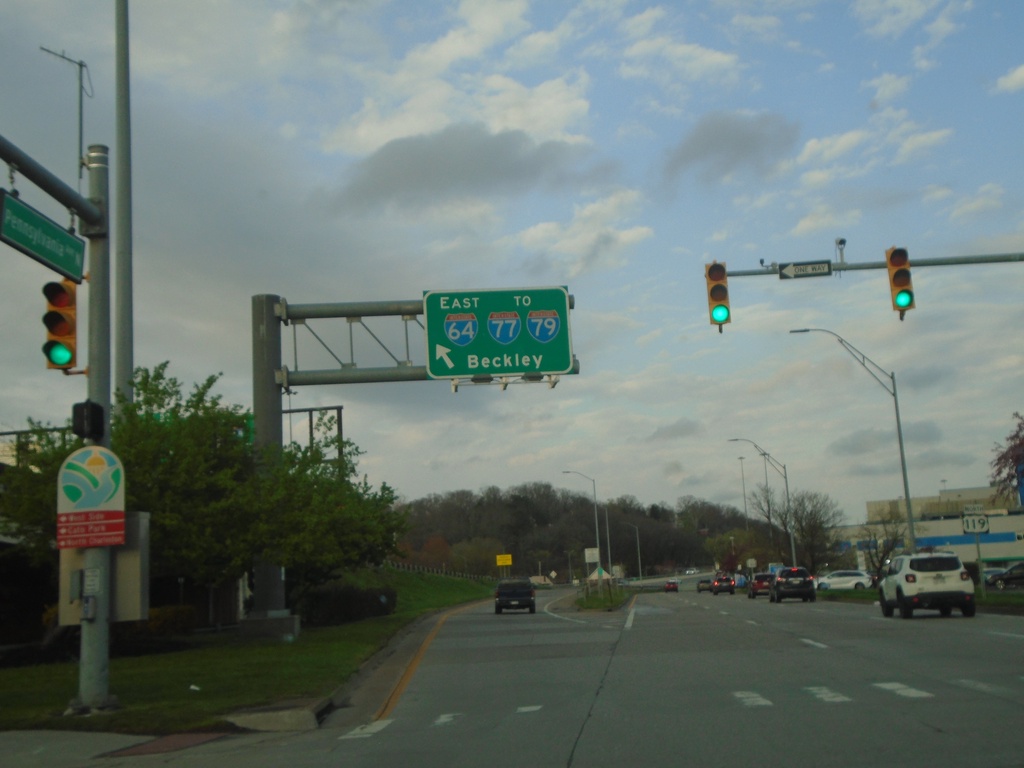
[[792, 582], [723, 583], [1011, 578], [759, 584], [515, 594]]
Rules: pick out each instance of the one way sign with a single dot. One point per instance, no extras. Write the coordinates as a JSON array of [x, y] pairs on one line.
[[805, 269]]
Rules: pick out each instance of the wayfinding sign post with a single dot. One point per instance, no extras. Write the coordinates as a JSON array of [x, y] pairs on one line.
[[497, 333]]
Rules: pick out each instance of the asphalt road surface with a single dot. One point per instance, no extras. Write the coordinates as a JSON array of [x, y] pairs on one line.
[[680, 679]]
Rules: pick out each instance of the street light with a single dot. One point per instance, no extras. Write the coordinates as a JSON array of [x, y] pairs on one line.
[[743, 480], [597, 529], [875, 369], [639, 567], [781, 469]]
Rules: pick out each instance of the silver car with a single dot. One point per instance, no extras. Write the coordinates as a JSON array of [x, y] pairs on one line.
[[844, 580]]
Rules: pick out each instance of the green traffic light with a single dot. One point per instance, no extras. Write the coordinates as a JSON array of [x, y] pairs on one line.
[[57, 353], [720, 314], [904, 299]]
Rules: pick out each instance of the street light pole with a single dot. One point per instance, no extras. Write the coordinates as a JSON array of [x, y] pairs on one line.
[[743, 480], [875, 369], [597, 528], [639, 567], [781, 469]]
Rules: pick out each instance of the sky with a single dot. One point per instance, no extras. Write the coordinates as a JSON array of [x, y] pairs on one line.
[[333, 151]]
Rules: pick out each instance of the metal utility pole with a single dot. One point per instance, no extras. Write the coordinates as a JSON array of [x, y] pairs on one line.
[[597, 529], [875, 369], [124, 359], [781, 469]]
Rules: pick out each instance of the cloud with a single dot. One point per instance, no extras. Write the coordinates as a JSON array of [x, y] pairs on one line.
[[888, 88], [592, 239], [724, 143], [680, 428], [1012, 81], [891, 18], [988, 198], [458, 162]]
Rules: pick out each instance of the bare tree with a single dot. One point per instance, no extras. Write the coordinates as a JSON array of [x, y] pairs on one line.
[[813, 520], [893, 529]]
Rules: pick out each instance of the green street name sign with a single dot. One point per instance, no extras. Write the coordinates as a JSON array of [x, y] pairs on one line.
[[494, 333], [35, 235]]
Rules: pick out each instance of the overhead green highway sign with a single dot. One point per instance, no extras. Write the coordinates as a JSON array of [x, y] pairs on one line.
[[494, 333], [35, 235]]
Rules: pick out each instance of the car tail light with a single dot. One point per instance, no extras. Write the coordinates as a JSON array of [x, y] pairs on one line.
[[910, 578], [964, 575]]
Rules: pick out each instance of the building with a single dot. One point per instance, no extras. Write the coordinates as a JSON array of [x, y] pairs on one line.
[[939, 525]]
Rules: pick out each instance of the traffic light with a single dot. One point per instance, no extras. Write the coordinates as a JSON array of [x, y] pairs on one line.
[[61, 325], [900, 284], [718, 294], [87, 420]]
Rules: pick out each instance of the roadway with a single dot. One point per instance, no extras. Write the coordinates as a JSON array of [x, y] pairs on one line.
[[680, 679]]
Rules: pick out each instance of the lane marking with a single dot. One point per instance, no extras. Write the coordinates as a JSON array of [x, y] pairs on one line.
[[812, 643], [447, 719], [531, 708], [904, 690], [751, 699], [822, 693], [366, 731]]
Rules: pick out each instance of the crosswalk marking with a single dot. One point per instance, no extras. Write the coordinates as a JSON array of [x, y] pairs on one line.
[[366, 731], [826, 694], [904, 690], [751, 699]]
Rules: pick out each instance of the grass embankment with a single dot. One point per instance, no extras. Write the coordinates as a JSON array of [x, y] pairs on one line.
[[192, 689]]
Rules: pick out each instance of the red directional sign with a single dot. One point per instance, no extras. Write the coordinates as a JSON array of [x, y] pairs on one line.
[[76, 530]]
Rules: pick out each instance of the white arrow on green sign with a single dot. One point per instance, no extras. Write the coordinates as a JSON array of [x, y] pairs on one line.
[[494, 333], [35, 235]]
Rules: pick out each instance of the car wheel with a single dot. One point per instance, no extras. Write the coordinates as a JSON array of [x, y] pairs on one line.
[[778, 598], [946, 610], [813, 597], [968, 609], [858, 585], [887, 610], [906, 610], [497, 609], [533, 609], [1000, 585]]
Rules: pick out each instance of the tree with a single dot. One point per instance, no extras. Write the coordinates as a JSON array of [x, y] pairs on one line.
[[814, 517], [1008, 465], [879, 550]]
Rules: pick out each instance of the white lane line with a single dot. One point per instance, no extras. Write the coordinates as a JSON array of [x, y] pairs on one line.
[[629, 619], [447, 719], [366, 731], [980, 687], [531, 708], [812, 643], [904, 690], [822, 693], [751, 699], [1008, 634]]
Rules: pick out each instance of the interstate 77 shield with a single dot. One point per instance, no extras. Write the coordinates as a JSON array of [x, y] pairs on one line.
[[494, 333]]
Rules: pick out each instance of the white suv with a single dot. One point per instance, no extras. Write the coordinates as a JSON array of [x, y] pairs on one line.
[[926, 580]]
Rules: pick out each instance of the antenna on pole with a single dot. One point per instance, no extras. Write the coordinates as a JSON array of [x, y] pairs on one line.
[[83, 73]]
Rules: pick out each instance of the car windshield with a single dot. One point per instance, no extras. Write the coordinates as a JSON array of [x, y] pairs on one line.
[[931, 564]]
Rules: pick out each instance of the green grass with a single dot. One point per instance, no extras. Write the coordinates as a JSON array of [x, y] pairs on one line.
[[230, 672]]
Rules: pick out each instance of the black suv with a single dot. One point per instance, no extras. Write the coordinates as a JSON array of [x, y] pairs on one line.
[[792, 582], [1012, 577]]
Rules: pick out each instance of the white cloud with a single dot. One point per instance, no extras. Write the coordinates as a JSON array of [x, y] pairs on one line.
[[988, 198], [892, 18], [888, 88], [1012, 81]]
